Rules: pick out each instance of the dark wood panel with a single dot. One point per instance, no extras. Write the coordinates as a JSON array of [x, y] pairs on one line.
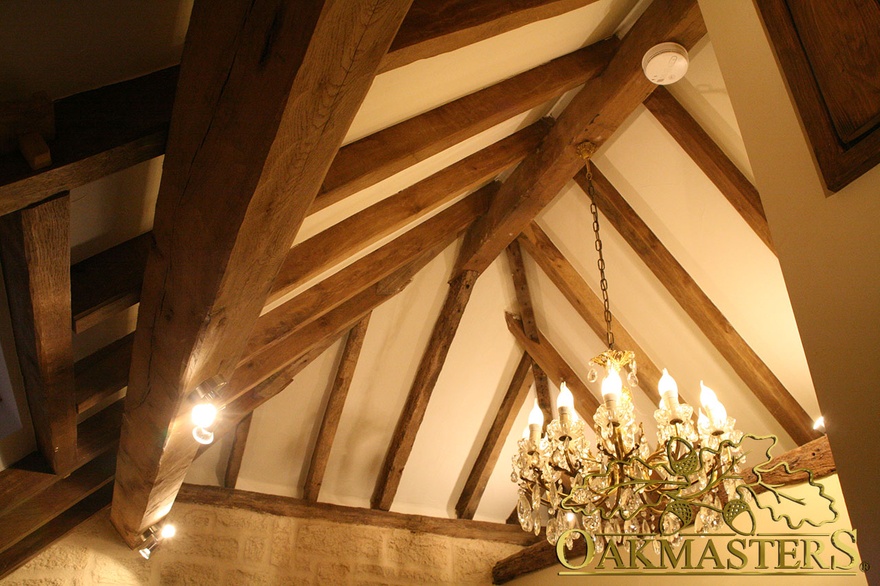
[[839, 163], [841, 40]]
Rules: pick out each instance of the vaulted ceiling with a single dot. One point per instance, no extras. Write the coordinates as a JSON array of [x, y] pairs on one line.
[[422, 160]]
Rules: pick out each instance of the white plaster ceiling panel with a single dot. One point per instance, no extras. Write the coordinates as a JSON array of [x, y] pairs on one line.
[[481, 359], [712, 242]]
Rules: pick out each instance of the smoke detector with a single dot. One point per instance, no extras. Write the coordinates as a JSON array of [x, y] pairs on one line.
[[665, 63]]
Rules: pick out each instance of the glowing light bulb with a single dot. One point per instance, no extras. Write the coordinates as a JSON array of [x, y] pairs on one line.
[[611, 384], [168, 531], [565, 399], [702, 420], [716, 411], [204, 414], [667, 386], [819, 424], [536, 416], [202, 435]]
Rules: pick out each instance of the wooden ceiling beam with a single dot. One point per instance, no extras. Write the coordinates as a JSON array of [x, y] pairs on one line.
[[709, 157], [243, 405], [101, 375], [337, 243], [283, 321], [593, 115], [286, 83], [744, 361], [35, 249], [290, 507], [427, 373], [815, 456], [236, 454], [381, 155], [111, 281], [333, 411], [42, 508], [112, 128], [108, 282], [586, 302], [29, 547], [266, 380], [524, 299], [478, 478], [554, 365], [433, 27]]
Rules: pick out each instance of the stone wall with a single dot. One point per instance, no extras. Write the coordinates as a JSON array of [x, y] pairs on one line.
[[236, 547]]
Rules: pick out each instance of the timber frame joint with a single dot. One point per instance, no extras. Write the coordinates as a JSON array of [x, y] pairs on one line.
[[586, 150]]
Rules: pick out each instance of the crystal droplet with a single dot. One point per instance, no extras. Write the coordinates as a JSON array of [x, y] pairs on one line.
[[632, 380], [592, 376]]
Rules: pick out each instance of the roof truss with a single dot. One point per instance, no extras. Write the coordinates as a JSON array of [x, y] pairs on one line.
[[93, 143]]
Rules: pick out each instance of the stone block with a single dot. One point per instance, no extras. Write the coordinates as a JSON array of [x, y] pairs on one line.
[[341, 542], [412, 550], [249, 521], [472, 560], [212, 546], [255, 548], [194, 519], [330, 572], [189, 574], [282, 549]]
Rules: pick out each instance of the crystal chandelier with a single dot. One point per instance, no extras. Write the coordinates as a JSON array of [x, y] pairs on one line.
[[623, 487]]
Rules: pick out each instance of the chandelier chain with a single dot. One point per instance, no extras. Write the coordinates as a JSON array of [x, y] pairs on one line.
[[586, 150]]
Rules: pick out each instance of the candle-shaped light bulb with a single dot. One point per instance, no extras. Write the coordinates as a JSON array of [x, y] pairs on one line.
[[564, 400], [612, 385], [702, 421], [715, 410], [668, 390], [564, 403], [611, 388], [536, 422], [536, 416]]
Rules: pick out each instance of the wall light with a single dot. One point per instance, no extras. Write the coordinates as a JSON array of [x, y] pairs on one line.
[[204, 413], [154, 536]]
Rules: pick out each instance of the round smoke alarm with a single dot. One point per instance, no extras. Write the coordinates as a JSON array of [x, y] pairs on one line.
[[665, 63]]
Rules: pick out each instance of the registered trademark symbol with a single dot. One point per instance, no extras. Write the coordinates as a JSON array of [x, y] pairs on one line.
[[864, 566]]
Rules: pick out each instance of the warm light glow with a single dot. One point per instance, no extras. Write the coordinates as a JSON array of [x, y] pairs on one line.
[[667, 386], [819, 424], [611, 384], [204, 414], [717, 412], [168, 531], [564, 399], [536, 416], [202, 435], [702, 420]]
